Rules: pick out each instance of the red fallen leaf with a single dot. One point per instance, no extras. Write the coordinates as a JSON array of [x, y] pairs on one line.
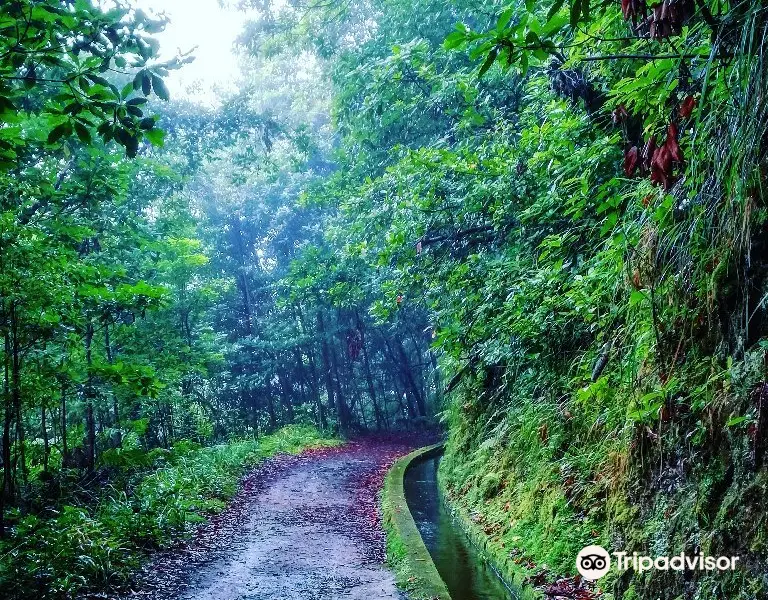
[[686, 108], [630, 161]]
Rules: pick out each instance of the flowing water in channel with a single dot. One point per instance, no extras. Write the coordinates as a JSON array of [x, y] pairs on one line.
[[468, 577]]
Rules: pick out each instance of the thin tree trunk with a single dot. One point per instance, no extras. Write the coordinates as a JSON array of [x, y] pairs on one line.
[[410, 380], [115, 406], [244, 286], [64, 449], [342, 408], [16, 395], [315, 385], [399, 369], [285, 394], [316, 392], [334, 402], [271, 407], [46, 443], [368, 375], [7, 492], [90, 423]]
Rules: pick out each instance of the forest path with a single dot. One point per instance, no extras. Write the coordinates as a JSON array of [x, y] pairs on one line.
[[302, 527]]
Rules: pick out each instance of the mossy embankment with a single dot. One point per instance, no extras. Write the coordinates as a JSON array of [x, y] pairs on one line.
[[540, 474], [406, 553]]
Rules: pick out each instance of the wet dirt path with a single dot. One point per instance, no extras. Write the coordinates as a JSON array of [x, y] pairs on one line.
[[303, 528]]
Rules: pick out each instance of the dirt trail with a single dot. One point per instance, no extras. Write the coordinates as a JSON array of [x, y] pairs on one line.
[[303, 528]]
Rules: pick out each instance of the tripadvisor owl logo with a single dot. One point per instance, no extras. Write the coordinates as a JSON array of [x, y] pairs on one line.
[[593, 562]]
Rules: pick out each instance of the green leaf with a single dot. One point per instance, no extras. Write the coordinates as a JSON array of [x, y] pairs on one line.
[[532, 39], [138, 81], [160, 89], [504, 19], [156, 137], [636, 298], [524, 63], [553, 25], [575, 12], [146, 83], [555, 9], [59, 132], [454, 40], [82, 133], [488, 62]]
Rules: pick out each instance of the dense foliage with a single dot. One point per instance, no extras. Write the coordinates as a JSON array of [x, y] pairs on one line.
[[574, 192], [150, 297], [544, 219]]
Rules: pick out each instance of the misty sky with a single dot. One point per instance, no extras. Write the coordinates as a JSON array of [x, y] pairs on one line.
[[201, 23]]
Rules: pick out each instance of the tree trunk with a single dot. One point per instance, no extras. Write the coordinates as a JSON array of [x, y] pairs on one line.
[[285, 394], [368, 375], [7, 493], [46, 443], [342, 408], [115, 407], [90, 422], [398, 367], [243, 278], [271, 407], [313, 374], [16, 396], [333, 401], [64, 449], [316, 392], [410, 380]]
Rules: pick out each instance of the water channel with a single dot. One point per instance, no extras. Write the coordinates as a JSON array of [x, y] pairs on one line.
[[459, 563]]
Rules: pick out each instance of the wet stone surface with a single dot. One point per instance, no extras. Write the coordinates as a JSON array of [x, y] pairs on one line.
[[304, 528]]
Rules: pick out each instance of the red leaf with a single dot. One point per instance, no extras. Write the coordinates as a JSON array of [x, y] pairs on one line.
[[661, 167], [630, 161], [675, 151], [620, 114], [686, 108]]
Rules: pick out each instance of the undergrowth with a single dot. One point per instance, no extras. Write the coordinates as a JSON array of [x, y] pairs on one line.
[[98, 545]]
